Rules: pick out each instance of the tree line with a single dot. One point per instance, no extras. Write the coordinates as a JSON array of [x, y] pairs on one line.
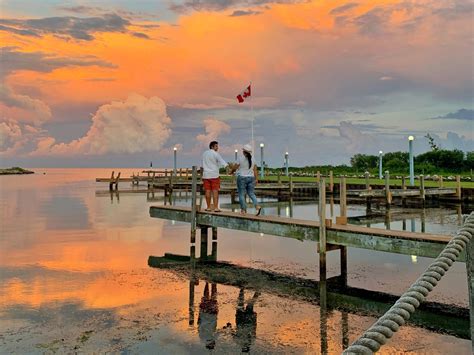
[[436, 161]]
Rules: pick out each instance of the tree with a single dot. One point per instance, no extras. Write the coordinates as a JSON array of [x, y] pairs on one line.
[[364, 162], [431, 142]]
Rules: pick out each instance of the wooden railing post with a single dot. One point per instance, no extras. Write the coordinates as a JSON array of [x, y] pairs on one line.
[[458, 187], [322, 241], [470, 285], [193, 204], [422, 187], [331, 182], [367, 182], [290, 178], [388, 194]]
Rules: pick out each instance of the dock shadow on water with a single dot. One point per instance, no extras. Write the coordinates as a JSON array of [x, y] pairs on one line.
[[75, 279]]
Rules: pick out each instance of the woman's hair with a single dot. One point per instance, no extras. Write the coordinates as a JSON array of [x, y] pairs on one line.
[[249, 158]]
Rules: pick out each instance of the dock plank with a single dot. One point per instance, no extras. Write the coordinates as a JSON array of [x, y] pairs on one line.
[[401, 242]]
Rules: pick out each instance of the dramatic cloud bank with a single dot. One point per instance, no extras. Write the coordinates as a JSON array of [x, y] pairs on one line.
[[137, 124]]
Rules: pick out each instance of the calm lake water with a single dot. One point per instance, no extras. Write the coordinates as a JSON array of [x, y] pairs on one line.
[[74, 278]]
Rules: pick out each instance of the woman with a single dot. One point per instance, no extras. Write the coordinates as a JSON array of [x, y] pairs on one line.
[[247, 179]]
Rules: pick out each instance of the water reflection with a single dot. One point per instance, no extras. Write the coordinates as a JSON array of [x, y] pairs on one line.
[[73, 260]]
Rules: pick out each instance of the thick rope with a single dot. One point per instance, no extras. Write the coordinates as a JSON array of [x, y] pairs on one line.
[[382, 330]]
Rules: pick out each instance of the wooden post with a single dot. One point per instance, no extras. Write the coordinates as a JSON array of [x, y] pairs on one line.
[[440, 181], [470, 285], [322, 244], [422, 188], [458, 187], [192, 284], [322, 230], [279, 177], [404, 187], [331, 182], [343, 197], [343, 257], [204, 242], [423, 221], [367, 182], [291, 185], [318, 176], [193, 204], [345, 330], [388, 194], [214, 252]]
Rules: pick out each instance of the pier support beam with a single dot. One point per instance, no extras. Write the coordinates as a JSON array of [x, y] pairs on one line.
[[322, 243], [193, 205], [204, 242], [388, 194], [470, 285]]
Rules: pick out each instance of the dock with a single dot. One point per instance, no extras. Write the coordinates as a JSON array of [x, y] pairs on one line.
[[332, 237]]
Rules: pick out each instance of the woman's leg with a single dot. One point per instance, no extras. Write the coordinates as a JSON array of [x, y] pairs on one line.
[[250, 187], [241, 190]]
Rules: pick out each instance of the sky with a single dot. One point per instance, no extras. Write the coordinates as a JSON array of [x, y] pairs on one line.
[[121, 83]]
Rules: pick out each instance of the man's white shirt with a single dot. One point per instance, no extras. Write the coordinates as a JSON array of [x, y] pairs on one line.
[[211, 162]]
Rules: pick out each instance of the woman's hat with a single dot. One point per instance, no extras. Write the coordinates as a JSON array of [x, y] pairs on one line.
[[247, 148]]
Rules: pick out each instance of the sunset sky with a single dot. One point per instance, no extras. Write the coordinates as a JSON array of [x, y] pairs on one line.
[[122, 82]]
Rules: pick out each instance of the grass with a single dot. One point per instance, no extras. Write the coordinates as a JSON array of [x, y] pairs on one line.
[[373, 181]]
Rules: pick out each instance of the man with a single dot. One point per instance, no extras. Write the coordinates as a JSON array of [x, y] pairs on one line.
[[211, 162]]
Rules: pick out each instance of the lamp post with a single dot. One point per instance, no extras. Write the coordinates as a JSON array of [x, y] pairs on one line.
[[380, 163], [174, 166], [262, 173], [412, 165], [236, 151], [286, 163]]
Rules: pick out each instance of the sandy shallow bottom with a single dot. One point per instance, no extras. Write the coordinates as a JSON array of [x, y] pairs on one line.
[[164, 322]]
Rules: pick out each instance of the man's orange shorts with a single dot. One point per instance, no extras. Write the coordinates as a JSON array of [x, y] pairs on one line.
[[211, 184]]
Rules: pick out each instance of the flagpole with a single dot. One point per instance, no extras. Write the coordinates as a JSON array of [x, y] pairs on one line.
[[253, 117]]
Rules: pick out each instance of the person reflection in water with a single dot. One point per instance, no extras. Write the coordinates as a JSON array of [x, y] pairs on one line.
[[207, 321], [246, 321]]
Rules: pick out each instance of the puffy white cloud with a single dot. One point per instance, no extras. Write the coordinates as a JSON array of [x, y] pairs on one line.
[[357, 140], [10, 132], [214, 128], [135, 125], [35, 111]]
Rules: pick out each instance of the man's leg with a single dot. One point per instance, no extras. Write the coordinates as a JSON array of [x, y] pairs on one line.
[[215, 198], [208, 199]]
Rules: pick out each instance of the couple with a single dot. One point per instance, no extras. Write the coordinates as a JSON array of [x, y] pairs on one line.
[[245, 169]]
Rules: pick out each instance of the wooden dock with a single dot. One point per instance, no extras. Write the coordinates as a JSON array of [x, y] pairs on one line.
[[327, 236], [401, 242]]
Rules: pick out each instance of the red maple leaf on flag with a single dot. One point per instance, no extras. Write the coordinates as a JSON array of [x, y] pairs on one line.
[[244, 94]]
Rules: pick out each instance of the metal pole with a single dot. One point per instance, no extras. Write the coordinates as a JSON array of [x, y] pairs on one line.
[[235, 151], [380, 164], [175, 161], [412, 165], [286, 163], [262, 169]]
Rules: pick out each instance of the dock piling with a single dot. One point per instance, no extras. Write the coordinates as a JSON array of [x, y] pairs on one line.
[[331, 182], [204, 242], [193, 204], [322, 244], [458, 187], [388, 194], [422, 188], [470, 285]]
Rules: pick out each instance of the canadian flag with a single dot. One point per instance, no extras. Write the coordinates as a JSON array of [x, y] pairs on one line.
[[244, 94]]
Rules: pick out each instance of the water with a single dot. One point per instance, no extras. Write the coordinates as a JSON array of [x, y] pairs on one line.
[[74, 278]]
